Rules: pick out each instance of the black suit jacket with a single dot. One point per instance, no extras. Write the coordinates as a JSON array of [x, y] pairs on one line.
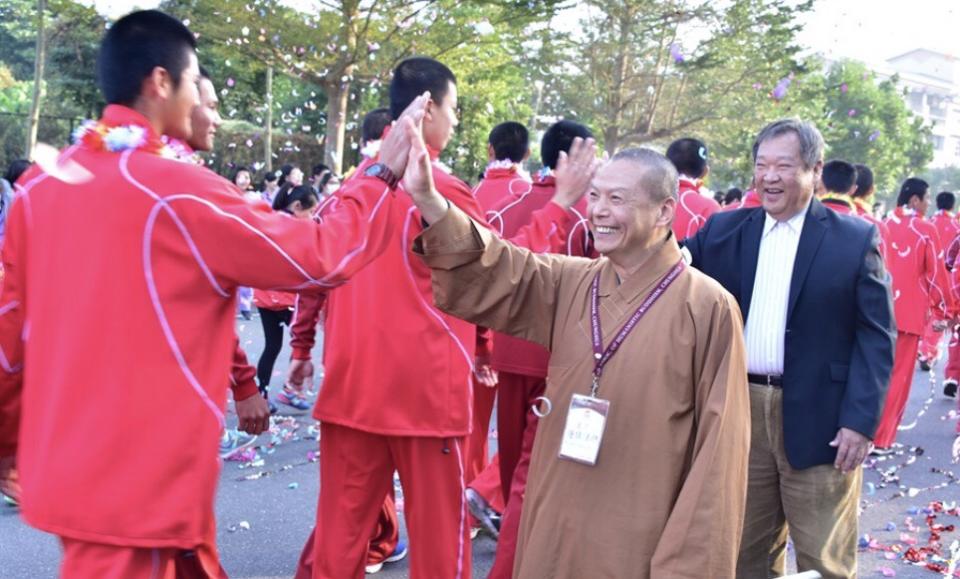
[[838, 349]]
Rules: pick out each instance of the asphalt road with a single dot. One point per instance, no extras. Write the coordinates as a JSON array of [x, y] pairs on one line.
[[265, 510]]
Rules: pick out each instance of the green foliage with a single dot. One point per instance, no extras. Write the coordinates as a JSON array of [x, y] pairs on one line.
[[639, 72], [868, 122], [943, 179]]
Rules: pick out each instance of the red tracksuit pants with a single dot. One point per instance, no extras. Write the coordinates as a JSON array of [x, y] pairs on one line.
[[952, 369], [384, 540], [356, 472], [904, 364], [477, 447], [930, 344], [83, 560], [517, 429]]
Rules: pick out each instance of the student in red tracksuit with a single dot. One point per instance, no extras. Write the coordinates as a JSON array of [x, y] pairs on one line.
[[920, 286], [839, 181], [750, 199], [947, 226], [508, 146], [397, 395], [951, 373], [253, 412], [522, 365], [689, 156], [863, 202], [173, 242], [385, 544], [504, 175]]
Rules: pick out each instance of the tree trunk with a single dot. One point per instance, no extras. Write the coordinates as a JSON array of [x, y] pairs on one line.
[[611, 136], [338, 93], [268, 131], [338, 87], [38, 66]]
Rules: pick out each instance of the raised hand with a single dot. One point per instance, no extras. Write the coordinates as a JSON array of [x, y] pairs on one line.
[[418, 178], [574, 172], [395, 150]]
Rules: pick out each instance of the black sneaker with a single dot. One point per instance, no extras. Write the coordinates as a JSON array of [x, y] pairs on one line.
[[925, 365], [488, 518], [950, 388]]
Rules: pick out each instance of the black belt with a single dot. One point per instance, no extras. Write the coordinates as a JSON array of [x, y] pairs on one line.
[[766, 380]]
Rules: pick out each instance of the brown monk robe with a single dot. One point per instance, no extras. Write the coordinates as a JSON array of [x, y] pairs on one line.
[[665, 498]]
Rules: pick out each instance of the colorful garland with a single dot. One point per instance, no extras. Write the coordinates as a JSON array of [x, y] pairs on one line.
[[101, 137]]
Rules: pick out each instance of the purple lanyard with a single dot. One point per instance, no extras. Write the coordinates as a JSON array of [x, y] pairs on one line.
[[601, 356]]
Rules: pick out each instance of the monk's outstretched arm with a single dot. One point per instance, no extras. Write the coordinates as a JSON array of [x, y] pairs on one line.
[[702, 535], [490, 282]]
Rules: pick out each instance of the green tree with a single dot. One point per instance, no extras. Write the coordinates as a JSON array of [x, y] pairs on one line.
[[363, 41], [650, 70], [866, 121]]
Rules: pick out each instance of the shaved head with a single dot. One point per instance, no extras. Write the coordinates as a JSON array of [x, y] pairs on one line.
[[656, 175]]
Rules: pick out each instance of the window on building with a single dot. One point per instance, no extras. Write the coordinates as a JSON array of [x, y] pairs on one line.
[[938, 142], [916, 100]]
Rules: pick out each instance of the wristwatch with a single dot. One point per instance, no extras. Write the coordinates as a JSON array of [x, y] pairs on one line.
[[382, 172]]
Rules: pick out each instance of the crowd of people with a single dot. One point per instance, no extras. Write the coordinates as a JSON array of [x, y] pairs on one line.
[[732, 419]]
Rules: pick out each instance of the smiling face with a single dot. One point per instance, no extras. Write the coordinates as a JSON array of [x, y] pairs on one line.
[[440, 121], [205, 118], [624, 217], [176, 103], [784, 183]]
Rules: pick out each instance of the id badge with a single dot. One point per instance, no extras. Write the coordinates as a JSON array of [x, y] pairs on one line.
[[583, 432]]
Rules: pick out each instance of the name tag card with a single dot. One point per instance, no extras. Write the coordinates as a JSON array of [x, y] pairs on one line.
[[583, 432]]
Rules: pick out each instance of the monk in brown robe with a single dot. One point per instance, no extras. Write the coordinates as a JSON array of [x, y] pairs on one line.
[[664, 496]]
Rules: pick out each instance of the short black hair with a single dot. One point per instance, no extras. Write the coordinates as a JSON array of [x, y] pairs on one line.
[[864, 180], [689, 156], [838, 176], [415, 76], [270, 177], [15, 170], [134, 46], [946, 200], [509, 140], [912, 187], [374, 123], [732, 195], [558, 138]]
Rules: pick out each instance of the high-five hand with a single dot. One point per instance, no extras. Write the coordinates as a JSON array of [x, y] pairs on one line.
[[418, 178], [395, 149], [574, 172]]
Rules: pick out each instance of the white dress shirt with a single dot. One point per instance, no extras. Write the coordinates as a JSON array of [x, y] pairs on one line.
[[767, 319]]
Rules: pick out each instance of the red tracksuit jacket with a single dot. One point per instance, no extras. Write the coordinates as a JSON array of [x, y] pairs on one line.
[[498, 183], [693, 209], [114, 400], [507, 217], [394, 364], [919, 277]]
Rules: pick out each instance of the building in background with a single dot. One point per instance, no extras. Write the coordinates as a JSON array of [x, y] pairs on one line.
[[932, 82]]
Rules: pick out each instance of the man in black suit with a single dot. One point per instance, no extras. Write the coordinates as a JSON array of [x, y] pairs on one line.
[[819, 331]]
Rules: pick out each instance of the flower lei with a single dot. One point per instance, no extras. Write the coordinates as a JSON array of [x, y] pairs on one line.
[[100, 137]]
